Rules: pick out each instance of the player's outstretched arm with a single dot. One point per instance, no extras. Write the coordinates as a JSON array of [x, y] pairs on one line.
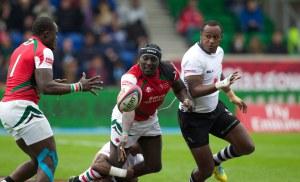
[[46, 84]]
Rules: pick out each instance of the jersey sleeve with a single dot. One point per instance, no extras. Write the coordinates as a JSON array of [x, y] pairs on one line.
[[44, 59], [193, 67], [128, 79], [105, 150]]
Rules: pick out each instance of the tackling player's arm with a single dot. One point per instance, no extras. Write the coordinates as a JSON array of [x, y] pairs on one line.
[[102, 166]]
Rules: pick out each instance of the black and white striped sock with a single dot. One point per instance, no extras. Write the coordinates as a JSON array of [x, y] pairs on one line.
[[8, 179], [192, 179], [224, 154]]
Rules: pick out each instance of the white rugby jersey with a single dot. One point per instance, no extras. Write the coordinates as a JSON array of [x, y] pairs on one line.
[[197, 62]]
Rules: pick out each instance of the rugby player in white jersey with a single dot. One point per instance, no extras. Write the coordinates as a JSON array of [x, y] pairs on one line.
[[201, 71]]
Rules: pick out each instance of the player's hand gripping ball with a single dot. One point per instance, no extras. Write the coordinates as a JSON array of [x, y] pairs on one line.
[[129, 98]]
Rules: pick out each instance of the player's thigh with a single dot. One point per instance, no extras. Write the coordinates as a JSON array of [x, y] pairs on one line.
[[224, 122], [195, 128], [23, 119], [240, 139], [151, 147]]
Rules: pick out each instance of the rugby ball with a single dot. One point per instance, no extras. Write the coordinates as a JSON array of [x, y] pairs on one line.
[[129, 98]]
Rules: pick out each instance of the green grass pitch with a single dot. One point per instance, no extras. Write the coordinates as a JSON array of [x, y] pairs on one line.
[[276, 158]]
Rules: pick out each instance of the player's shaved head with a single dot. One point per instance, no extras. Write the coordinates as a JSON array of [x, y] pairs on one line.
[[45, 28], [42, 24]]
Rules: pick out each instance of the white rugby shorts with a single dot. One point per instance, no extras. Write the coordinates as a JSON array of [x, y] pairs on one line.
[[149, 127], [23, 119]]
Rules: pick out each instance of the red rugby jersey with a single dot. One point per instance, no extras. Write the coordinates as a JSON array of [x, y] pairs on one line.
[[154, 89], [20, 83]]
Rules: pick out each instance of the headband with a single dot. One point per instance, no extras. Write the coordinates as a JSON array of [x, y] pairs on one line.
[[150, 51]]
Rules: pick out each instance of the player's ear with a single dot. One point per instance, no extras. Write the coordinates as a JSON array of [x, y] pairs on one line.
[[45, 34]]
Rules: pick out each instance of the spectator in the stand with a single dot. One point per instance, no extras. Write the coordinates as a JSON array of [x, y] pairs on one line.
[[190, 20], [87, 12], [293, 40], [119, 70], [103, 17], [238, 46], [70, 69], [5, 11], [27, 35], [111, 58], [277, 45], [133, 17], [234, 6], [88, 50], [65, 53], [44, 8], [252, 18], [69, 17], [255, 45], [5, 51], [118, 34], [97, 65], [20, 15]]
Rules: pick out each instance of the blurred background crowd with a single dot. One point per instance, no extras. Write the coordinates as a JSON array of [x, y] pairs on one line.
[[103, 36]]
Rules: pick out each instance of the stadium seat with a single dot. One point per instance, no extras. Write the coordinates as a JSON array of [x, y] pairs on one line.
[[16, 38], [77, 39]]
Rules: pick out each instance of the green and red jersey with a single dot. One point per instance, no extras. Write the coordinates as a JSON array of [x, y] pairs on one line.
[[20, 83]]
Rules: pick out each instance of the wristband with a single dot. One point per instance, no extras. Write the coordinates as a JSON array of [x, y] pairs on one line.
[[114, 171], [76, 87]]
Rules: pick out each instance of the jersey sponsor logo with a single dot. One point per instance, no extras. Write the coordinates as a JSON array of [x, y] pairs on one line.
[[49, 60], [209, 71], [153, 99]]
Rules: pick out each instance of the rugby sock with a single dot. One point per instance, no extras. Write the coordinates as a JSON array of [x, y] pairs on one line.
[[224, 154], [89, 175], [192, 179], [8, 179]]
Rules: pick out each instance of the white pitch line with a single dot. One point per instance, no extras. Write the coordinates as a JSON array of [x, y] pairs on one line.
[[79, 143]]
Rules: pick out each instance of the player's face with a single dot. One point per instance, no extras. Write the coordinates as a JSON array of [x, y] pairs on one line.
[[148, 64], [210, 38], [50, 38]]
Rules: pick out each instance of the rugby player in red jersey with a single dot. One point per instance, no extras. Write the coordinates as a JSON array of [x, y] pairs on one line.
[[30, 73], [155, 78]]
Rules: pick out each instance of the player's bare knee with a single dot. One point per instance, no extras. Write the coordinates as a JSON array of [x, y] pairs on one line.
[[154, 168], [249, 148], [47, 161]]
